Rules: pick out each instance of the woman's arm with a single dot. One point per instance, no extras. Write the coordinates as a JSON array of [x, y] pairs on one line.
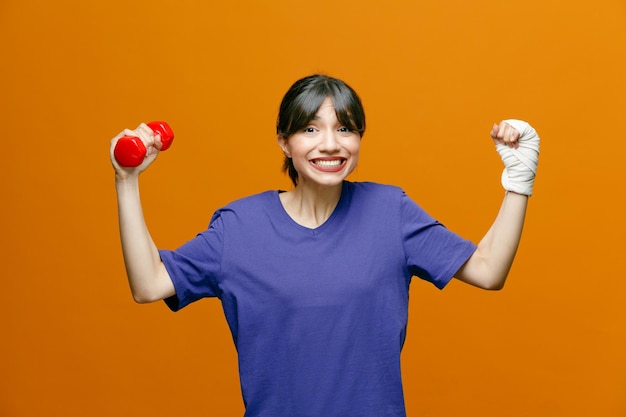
[[488, 267], [147, 276]]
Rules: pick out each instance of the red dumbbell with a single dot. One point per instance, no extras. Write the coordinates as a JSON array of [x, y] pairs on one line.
[[130, 151]]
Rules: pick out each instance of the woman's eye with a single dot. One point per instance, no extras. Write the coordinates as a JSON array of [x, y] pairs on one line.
[[309, 130], [344, 129]]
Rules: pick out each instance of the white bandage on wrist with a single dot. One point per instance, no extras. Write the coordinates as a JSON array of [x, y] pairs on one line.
[[521, 163]]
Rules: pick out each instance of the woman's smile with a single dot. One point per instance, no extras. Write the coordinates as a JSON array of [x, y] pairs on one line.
[[329, 164]]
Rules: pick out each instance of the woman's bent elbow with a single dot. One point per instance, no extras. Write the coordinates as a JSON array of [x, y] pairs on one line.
[[146, 297], [490, 282], [494, 286], [157, 288], [142, 299]]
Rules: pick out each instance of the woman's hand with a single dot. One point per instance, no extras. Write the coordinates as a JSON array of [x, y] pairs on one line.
[[150, 139], [518, 145], [505, 134]]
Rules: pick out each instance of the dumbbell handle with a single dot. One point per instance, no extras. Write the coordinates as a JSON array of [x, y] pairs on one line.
[[130, 151]]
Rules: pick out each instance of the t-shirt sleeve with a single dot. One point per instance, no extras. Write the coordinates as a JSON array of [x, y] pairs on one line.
[[195, 266], [433, 252]]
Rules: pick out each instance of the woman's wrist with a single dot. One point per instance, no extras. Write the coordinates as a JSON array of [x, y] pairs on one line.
[[126, 181]]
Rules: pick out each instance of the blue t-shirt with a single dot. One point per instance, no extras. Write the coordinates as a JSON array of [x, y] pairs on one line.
[[318, 316]]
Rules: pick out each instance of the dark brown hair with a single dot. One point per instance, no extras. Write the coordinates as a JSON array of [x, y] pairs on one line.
[[302, 102]]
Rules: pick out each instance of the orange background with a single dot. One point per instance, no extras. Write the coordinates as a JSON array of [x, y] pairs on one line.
[[433, 76]]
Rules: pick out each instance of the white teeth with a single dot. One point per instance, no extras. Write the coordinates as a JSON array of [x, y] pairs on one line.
[[325, 163]]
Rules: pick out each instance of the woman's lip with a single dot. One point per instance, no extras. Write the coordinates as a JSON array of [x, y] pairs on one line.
[[329, 158]]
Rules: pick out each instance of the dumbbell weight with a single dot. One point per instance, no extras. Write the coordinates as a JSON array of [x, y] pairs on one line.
[[130, 151]]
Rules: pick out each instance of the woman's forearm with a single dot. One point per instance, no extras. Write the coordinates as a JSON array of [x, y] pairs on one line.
[[147, 276], [489, 266]]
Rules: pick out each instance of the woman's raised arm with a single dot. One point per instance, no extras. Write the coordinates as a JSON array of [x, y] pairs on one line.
[[147, 276], [518, 145]]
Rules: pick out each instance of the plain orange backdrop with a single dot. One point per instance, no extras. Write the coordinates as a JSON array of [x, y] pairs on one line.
[[434, 76]]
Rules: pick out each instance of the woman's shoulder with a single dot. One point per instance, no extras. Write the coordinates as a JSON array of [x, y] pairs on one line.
[[251, 203], [373, 197], [245, 207], [375, 189]]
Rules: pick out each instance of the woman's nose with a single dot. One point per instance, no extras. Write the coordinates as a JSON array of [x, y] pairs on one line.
[[329, 142]]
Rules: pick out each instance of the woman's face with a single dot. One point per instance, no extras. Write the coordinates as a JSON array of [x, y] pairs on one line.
[[325, 152]]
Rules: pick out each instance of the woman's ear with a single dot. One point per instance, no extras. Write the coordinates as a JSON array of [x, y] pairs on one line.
[[284, 145]]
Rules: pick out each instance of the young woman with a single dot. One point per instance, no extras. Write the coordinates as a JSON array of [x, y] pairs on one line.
[[314, 281]]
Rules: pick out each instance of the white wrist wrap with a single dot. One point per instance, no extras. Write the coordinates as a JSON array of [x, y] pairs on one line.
[[521, 163]]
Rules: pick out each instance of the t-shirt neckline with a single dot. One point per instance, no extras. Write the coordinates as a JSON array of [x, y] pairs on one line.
[[334, 216]]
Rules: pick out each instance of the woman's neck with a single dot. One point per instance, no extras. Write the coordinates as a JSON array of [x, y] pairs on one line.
[[311, 206]]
